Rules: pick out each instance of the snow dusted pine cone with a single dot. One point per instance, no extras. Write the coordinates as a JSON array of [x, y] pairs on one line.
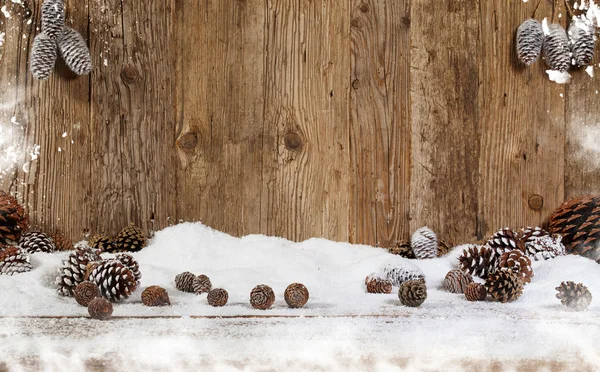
[[85, 292], [75, 52], [53, 18], [73, 270], [61, 242], [115, 280], [13, 219], [557, 49], [412, 293], [217, 297], [583, 44], [457, 280], [102, 243], [475, 292], [131, 264], [262, 297], [130, 239], [574, 296], [518, 263], [478, 260], [33, 242], [504, 285], [505, 240], [100, 308], [185, 282], [400, 272], [402, 249], [155, 296], [530, 37], [545, 247], [375, 284], [201, 284], [43, 56], [13, 261], [424, 243], [529, 233], [296, 295]]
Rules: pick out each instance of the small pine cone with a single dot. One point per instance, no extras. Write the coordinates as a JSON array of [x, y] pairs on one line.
[[53, 18], [262, 297], [375, 284], [400, 272], [43, 56], [155, 296], [505, 240], [102, 243], [85, 292], [217, 297], [130, 239], [545, 247], [529, 233], [116, 282], [518, 263], [504, 285], [75, 52], [583, 44], [478, 261], [424, 243], [201, 284], [185, 282], [444, 248], [575, 296], [131, 264], [475, 292], [33, 242], [557, 49], [61, 242], [73, 270], [296, 295], [412, 293], [13, 219], [530, 37], [100, 308], [457, 280], [402, 249], [14, 261]]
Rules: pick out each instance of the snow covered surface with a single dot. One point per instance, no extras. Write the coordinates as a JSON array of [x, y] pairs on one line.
[[341, 328]]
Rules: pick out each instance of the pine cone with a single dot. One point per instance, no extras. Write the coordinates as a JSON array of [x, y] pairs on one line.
[[444, 248], [43, 56], [217, 297], [475, 292], [131, 264], [100, 308], [402, 249], [201, 284], [504, 285], [33, 242], [457, 280], [400, 272], [53, 18], [116, 282], [61, 242], [530, 37], [424, 243], [185, 282], [155, 296], [296, 295], [102, 243], [478, 260], [75, 52], [583, 44], [85, 292], [575, 296], [545, 247], [578, 221], [13, 219], [412, 293], [262, 297], [73, 270], [505, 240], [14, 261], [518, 263], [131, 239], [556, 48], [529, 233], [375, 284]]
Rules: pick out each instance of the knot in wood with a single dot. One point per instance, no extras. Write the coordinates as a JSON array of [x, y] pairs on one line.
[[188, 141], [356, 84], [355, 23], [364, 8], [536, 202], [129, 74], [293, 141]]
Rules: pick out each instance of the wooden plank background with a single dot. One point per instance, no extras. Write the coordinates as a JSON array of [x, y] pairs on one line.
[[353, 120]]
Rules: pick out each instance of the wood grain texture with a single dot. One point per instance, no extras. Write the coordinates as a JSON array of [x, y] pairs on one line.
[[380, 128]]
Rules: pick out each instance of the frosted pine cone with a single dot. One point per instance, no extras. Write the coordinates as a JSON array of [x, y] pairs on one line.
[[376, 284], [73, 270], [505, 240], [402, 249], [53, 18], [475, 292], [504, 286], [262, 297], [85, 292], [518, 263], [412, 293], [583, 44], [400, 272], [201, 284], [155, 296], [530, 37], [529, 233], [574, 296], [33, 242], [457, 280], [102, 243], [545, 247], [75, 52], [424, 243], [184, 282], [296, 295], [116, 282], [13, 219], [43, 56], [217, 297], [478, 260], [130, 239], [131, 264], [557, 49], [13, 261], [100, 308]]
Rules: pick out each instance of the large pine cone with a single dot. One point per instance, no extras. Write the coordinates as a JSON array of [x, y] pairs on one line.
[[85, 292], [475, 292], [262, 297], [61, 242], [155, 296], [217, 297], [530, 37], [115, 280], [131, 239], [578, 221], [375, 284], [13, 261], [100, 308], [296, 295], [53, 18], [457, 280], [412, 293], [43, 56], [13, 219], [131, 264], [75, 52], [401, 272], [33, 242], [73, 270], [518, 263], [583, 44], [185, 282], [102, 243], [505, 240], [556, 48], [478, 260], [402, 249], [424, 243], [575, 296], [201, 284], [504, 285]]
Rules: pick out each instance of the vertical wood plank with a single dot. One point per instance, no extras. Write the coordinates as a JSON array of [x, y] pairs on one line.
[[306, 159], [380, 130]]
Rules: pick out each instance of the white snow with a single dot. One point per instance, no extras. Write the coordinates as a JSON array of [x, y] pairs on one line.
[[590, 70], [5, 12], [545, 27], [558, 76]]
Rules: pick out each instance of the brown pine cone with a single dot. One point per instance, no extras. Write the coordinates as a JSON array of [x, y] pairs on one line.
[[217, 297], [35, 241], [100, 308], [13, 219], [155, 296], [262, 297], [412, 293], [130, 239], [402, 249], [424, 243], [478, 261], [574, 296], [529, 233], [504, 285], [475, 292], [505, 240], [457, 280], [85, 292], [296, 295], [517, 262], [115, 280], [13, 261], [73, 270], [201, 284], [184, 282], [376, 284], [443, 248], [102, 243], [61, 242], [131, 264]]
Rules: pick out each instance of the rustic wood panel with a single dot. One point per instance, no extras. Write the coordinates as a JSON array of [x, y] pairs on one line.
[[380, 128]]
